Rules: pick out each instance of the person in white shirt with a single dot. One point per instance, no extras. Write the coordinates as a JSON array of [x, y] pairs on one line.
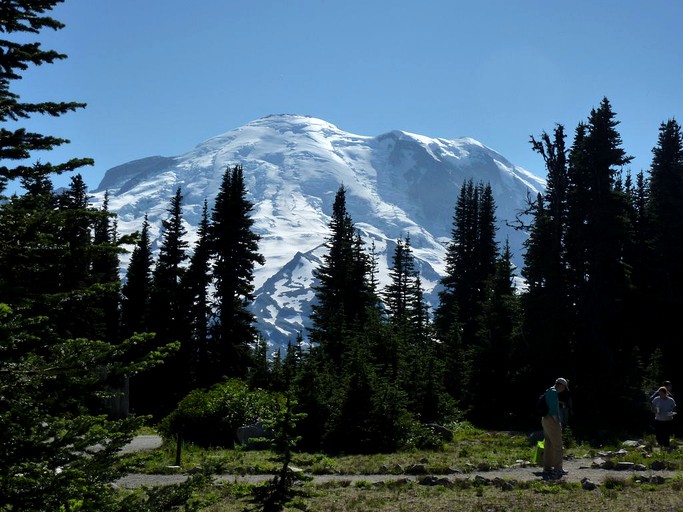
[[664, 408]]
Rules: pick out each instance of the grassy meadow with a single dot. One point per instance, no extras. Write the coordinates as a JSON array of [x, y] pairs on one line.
[[472, 450]]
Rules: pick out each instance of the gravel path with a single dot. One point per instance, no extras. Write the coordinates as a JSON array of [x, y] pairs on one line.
[[141, 443], [579, 469]]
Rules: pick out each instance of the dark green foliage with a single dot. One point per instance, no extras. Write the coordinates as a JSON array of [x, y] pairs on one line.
[[17, 143], [344, 292], [275, 494], [168, 302], [664, 216], [195, 283], [470, 265], [602, 264], [210, 417], [371, 375], [402, 291], [312, 385], [495, 359], [168, 497], [408, 354], [60, 360], [598, 275], [105, 269], [137, 289], [234, 249], [369, 412], [54, 450], [158, 391], [470, 260]]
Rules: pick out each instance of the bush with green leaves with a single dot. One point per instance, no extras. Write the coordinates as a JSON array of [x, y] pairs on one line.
[[210, 417]]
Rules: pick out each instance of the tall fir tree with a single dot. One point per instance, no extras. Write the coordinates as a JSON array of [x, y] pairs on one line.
[[30, 254], [137, 289], [76, 236], [168, 304], [50, 383], [546, 298], [343, 292], [234, 249], [399, 294], [105, 268], [597, 232], [495, 358], [665, 218], [196, 282], [162, 388], [470, 264], [409, 350]]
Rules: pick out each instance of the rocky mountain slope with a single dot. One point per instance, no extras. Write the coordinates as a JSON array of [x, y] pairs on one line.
[[398, 184]]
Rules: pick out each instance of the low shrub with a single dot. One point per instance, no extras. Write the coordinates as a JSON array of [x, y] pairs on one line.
[[210, 417]]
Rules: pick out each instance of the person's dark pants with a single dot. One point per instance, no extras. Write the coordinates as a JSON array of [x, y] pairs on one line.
[[663, 431]]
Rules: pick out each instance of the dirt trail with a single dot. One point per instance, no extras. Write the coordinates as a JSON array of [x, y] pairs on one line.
[[579, 469]]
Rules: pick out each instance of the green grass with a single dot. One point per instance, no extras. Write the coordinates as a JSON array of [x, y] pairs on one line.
[[411, 496], [472, 449]]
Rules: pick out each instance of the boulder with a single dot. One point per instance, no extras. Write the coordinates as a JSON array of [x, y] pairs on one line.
[[254, 436]]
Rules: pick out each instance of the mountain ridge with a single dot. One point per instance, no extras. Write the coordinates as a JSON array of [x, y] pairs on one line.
[[397, 184]]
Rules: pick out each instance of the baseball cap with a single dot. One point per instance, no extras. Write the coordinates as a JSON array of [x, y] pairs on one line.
[[562, 381]]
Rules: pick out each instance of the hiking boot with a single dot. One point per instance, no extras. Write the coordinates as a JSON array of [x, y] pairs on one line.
[[559, 473]]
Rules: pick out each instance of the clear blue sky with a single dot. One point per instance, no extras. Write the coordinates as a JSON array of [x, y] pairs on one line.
[[161, 76]]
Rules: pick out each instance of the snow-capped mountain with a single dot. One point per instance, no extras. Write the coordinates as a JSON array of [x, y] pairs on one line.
[[397, 184]]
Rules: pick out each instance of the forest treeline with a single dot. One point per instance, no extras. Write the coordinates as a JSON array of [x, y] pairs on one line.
[[599, 304]]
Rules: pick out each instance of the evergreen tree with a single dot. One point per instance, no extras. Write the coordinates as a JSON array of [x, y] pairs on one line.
[[597, 232], [82, 293], [105, 268], [400, 291], [16, 144], [51, 387], [343, 292], [547, 297], [168, 305], [665, 217], [406, 309], [76, 236], [470, 264], [313, 383], [495, 356], [367, 410], [234, 248], [409, 350], [30, 254], [639, 252], [159, 390], [196, 285], [137, 289], [260, 375], [470, 259]]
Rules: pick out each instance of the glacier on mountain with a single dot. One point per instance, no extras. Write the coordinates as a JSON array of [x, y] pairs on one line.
[[397, 184]]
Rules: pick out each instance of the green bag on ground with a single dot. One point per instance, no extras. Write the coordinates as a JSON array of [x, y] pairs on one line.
[[538, 453]]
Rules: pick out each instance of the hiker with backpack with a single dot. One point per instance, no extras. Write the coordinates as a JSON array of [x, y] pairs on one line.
[[552, 432]]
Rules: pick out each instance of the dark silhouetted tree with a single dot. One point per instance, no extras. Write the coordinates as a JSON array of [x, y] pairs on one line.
[[137, 289], [196, 283], [52, 415], [234, 249]]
